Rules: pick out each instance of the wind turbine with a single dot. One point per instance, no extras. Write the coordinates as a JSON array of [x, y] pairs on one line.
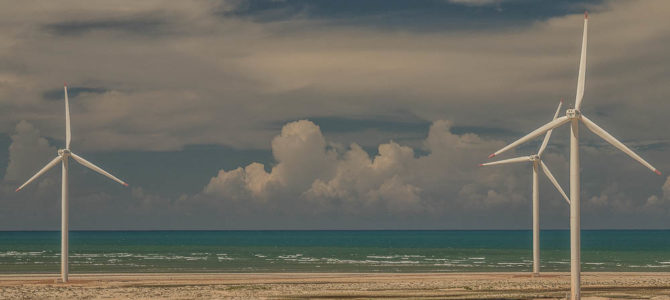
[[63, 156], [574, 117], [536, 160]]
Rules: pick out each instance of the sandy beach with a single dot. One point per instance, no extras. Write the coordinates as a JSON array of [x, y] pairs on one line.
[[333, 285]]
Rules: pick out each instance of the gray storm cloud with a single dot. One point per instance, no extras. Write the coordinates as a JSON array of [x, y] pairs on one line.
[[161, 76], [175, 73]]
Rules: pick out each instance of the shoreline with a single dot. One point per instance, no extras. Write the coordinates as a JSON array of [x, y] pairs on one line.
[[499, 285]]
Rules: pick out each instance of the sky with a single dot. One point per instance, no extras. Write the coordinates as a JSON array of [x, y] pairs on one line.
[[296, 114]]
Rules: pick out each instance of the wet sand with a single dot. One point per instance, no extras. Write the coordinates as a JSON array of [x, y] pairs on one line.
[[333, 285]]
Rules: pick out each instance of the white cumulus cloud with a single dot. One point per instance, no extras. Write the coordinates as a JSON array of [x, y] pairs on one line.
[[312, 174]]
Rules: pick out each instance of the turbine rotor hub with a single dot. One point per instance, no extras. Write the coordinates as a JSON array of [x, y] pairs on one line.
[[534, 157], [63, 152], [572, 113]]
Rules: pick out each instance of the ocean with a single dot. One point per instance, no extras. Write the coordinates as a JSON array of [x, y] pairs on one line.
[[331, 251]]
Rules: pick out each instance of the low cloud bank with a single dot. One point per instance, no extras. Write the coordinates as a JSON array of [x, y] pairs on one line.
[[316, 183], [312, 174]]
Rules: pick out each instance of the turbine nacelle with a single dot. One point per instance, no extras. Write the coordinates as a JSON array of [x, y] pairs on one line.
[[534, 158], [64, 152], [573, 113]]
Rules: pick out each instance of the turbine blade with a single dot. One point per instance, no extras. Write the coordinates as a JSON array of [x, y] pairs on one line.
[[93, 167], [68, 135], [582, 67], [553, 180], [50, 165], [610, 139], [551, 125], [507, 161], [548, 134]]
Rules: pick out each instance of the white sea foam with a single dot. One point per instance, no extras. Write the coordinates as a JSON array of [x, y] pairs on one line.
[[290, 256], [380, 256], [223, 257], [85, 255], [21, 253], [169, 257], [401, 256], [118, 254], [512, 263], [657, 266], [392, 262]]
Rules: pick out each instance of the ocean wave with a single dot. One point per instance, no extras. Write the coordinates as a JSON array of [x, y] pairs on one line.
[[169, 257], [223, 257], [512, 263], [21, 253], [380, 256], [290, 256]]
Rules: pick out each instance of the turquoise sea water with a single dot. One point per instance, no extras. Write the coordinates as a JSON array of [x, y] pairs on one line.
[[331, 251]]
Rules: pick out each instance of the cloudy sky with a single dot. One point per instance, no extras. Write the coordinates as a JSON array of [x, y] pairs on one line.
[[297, 114]]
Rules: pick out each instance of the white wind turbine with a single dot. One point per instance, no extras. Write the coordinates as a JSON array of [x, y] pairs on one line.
[[574, 116], [63, 155], [536, 160]]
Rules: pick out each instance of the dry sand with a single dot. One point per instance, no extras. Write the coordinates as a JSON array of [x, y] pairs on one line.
[[334, 285]]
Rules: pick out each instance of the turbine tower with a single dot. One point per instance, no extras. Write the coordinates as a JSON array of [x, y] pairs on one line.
[[536, 160], [63, 156], [574, 116]]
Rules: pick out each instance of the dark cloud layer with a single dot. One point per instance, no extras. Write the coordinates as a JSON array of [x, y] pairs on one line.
[[144, 25], [422, 15], [73, 92], [196, 103]]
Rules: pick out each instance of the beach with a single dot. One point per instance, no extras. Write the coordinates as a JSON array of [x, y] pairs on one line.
[[595, 285], [447, 264]]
